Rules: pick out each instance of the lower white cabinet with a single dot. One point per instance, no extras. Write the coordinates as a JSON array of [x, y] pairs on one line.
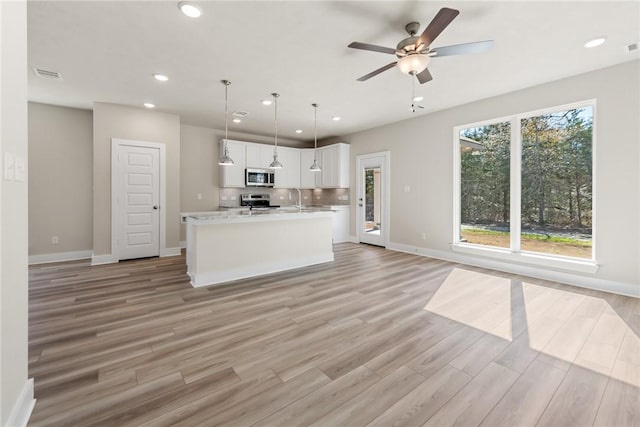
[[233, 175], [341, 220]]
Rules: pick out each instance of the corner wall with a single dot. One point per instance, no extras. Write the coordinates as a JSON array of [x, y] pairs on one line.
[[60, 181], [422, 158]]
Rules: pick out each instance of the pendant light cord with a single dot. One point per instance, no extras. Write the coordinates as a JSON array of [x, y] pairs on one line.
[[226, 113], [275, 96], [315, 130]]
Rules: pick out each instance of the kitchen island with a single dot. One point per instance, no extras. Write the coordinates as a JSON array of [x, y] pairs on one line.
[[236, 244]]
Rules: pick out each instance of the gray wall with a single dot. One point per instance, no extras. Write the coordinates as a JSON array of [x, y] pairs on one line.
[[422, 157], [118, 121], [60, 179], [13, 208]]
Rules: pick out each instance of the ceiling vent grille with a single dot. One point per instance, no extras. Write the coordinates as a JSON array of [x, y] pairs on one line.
[[240, 113], [632, 47], [45, 74]]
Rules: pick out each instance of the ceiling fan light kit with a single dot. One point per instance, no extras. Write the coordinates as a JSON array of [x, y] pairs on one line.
[[414, 63]]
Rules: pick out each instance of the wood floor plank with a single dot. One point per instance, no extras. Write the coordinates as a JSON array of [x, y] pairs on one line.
[[372, 337]]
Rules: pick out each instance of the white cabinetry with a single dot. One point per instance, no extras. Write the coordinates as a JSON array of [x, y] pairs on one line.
[[233, 175], [334, 161], [289, 175], [340, 223], [259, 155], [307, 178]]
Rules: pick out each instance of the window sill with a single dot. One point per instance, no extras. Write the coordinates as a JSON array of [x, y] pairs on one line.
[[528, 258]]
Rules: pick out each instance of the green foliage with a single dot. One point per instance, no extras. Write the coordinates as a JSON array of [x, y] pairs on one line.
[[557, 189]]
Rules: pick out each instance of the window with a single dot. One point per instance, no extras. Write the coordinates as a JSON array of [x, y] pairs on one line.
[[525, 184]]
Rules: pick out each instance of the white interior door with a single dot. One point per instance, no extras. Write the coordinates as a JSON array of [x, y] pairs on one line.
[[372, 205], [138, 202]]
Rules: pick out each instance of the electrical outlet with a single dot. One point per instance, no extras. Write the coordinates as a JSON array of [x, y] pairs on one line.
[[305, 197], [199, 196], [223, 197], [407, 188], [233, 197], [424, 236], [281, 197], [55, 240]]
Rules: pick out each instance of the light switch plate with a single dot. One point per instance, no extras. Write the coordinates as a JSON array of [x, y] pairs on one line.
[[9, 166], [20, 172]]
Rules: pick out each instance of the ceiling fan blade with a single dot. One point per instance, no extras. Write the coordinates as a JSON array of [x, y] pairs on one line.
[[458, 49], [378, 71], [372, 47], [424, 76], [442, 19]]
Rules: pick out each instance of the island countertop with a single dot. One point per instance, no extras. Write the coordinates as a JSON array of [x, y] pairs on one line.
[[238, 215]]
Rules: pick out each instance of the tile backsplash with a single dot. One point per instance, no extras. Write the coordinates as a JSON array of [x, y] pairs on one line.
[[230, 197]]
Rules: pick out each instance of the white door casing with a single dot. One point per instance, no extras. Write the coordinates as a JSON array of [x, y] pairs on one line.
[[380, 162], [138, 219]]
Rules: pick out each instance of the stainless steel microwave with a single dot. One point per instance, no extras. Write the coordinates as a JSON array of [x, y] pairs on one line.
[[259, 177]]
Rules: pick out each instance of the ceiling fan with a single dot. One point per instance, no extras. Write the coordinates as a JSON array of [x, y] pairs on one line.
[[415, 52]]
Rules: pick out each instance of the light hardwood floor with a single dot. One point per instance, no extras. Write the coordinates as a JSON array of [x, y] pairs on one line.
[[375, 338]]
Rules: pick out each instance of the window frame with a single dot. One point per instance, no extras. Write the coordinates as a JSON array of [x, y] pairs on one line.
[[514, 253]]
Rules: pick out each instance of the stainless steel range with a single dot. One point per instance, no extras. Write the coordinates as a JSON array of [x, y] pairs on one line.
[[257, 201]]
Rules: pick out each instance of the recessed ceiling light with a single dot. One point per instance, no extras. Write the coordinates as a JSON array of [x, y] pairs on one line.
[[190, 9], [266, 102], [298, 130], [336, 118], [595, 42], [160, 77], [237, 120], [149, 105], [417, 98]]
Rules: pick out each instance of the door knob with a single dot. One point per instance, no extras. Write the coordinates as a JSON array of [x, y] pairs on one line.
[[155, 207]]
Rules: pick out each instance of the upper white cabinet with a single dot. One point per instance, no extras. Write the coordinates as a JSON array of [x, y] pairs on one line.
[[289, 175], [334, 162], [333, 159], [259, 155], [308, 179], [233, 175]]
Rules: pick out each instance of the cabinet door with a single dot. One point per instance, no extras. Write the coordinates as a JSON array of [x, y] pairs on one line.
[[329, 166], [233, 175], [253, 155], [340, 223], [307, 178], [266, 155], [289, 175]]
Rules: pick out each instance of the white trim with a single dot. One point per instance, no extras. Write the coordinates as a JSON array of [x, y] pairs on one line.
[[386, 194], [221, 277], [164, 252], [59, 257], [183, 243], [23, 407], [116, 143], [103, 259], [622, 288]]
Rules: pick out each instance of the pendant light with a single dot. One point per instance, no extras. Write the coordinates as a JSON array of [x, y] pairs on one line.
[[225, 159], [275, 164], [315, 167]]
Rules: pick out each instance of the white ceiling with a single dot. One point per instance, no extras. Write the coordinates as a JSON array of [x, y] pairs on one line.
[[107, 51]]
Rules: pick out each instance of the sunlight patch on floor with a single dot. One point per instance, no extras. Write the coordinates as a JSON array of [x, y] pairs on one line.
[[562, 326]]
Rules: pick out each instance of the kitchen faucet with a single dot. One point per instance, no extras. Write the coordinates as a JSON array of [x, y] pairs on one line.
[[299, 204]]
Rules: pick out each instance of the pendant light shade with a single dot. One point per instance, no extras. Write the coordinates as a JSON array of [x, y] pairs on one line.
[[225, 159], [315, 167], [275, 164]]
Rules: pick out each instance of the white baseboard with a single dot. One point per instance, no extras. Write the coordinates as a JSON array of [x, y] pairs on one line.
[[59, 257], [183, 244], [170, 252], [21, 412], [219, 277], [628, 289], [353, 239], [103, 259]]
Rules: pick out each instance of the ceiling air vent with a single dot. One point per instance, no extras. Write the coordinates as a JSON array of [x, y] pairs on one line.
[[632, 47], [46, 74], [240, 114]]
